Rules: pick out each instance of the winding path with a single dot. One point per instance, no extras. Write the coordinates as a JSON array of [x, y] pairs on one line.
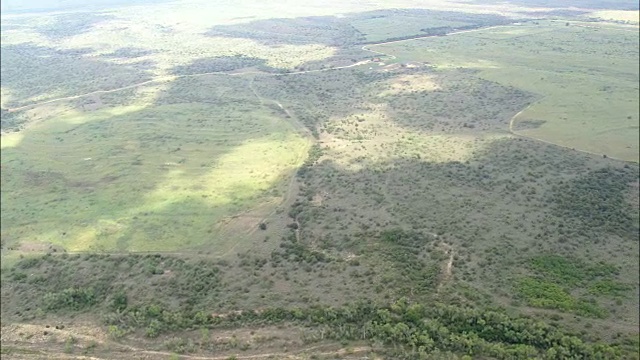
[[175, 77], [425, 37], [364, 48]]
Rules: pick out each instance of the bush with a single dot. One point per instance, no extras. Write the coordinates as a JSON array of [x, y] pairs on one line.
[[545, 294], [71, 298], [119, 301], [609, 288]]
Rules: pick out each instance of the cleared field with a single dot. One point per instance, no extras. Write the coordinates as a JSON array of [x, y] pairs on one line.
[[587, 79], [148, 176], [382, 28], [625, 16]]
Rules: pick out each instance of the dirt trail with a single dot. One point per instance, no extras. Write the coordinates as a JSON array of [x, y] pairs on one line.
[[279, 355], [305, 132], [31, 106], [45, 348], [447, 272], [365, 48], [30, 337], [175, 77]]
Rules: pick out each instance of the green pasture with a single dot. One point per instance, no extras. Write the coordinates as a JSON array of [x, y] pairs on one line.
[[45, 58], [389, 27], [586, 79], [153, 176]]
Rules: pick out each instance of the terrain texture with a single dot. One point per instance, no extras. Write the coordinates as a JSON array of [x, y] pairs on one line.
[[195, 180]]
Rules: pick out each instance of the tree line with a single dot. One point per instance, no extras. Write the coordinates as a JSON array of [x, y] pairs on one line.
[[408, 330]]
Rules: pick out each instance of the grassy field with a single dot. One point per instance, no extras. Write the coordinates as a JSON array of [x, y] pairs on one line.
[[325, 213], [382, 28], [580, 74], [404, 23], [172, 171], [621, 16], [49, 57]]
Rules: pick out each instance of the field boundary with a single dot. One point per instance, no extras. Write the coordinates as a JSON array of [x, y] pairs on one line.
[[511, 122], [175, 77], [513, 132], [365, 48]]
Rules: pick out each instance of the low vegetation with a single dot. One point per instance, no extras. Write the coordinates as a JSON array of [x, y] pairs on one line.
[[511, 55], [10, 121], [208, 182], [597, 201], [116, 174], [414, 329]]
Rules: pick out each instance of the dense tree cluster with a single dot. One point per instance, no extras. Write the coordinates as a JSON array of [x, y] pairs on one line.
[[412, 331], [559, 278], [221, 64], [292, 250], [315, 152], [596, 201], [10, 120], [79, 282]]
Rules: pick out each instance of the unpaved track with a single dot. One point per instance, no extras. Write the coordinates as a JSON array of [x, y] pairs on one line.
[[295, 122], [365, 48], [521, 111], [280, 355], [447, 272], [130, 352], [175, 77]]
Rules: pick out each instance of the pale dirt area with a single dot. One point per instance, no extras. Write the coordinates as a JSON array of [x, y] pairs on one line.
[[632, 16], [37, 341]]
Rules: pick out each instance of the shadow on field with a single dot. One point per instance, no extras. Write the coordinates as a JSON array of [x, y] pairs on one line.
[[510, 200], [30, 72], [222, 64], [349, 32], [416, 98], [343, 31], [459, 101], [68, 25], [510, 191], [159, 178]]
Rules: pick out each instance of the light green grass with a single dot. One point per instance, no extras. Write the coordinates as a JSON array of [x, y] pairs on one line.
[[625, 16], [382, 28], [587, 79], [44, 57], [158, 177]]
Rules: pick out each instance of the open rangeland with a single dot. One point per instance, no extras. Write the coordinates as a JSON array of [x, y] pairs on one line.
[[169, 169], [313, 182], [585, 79]]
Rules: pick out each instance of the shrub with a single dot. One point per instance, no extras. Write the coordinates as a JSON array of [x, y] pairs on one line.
[[71, 298]]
